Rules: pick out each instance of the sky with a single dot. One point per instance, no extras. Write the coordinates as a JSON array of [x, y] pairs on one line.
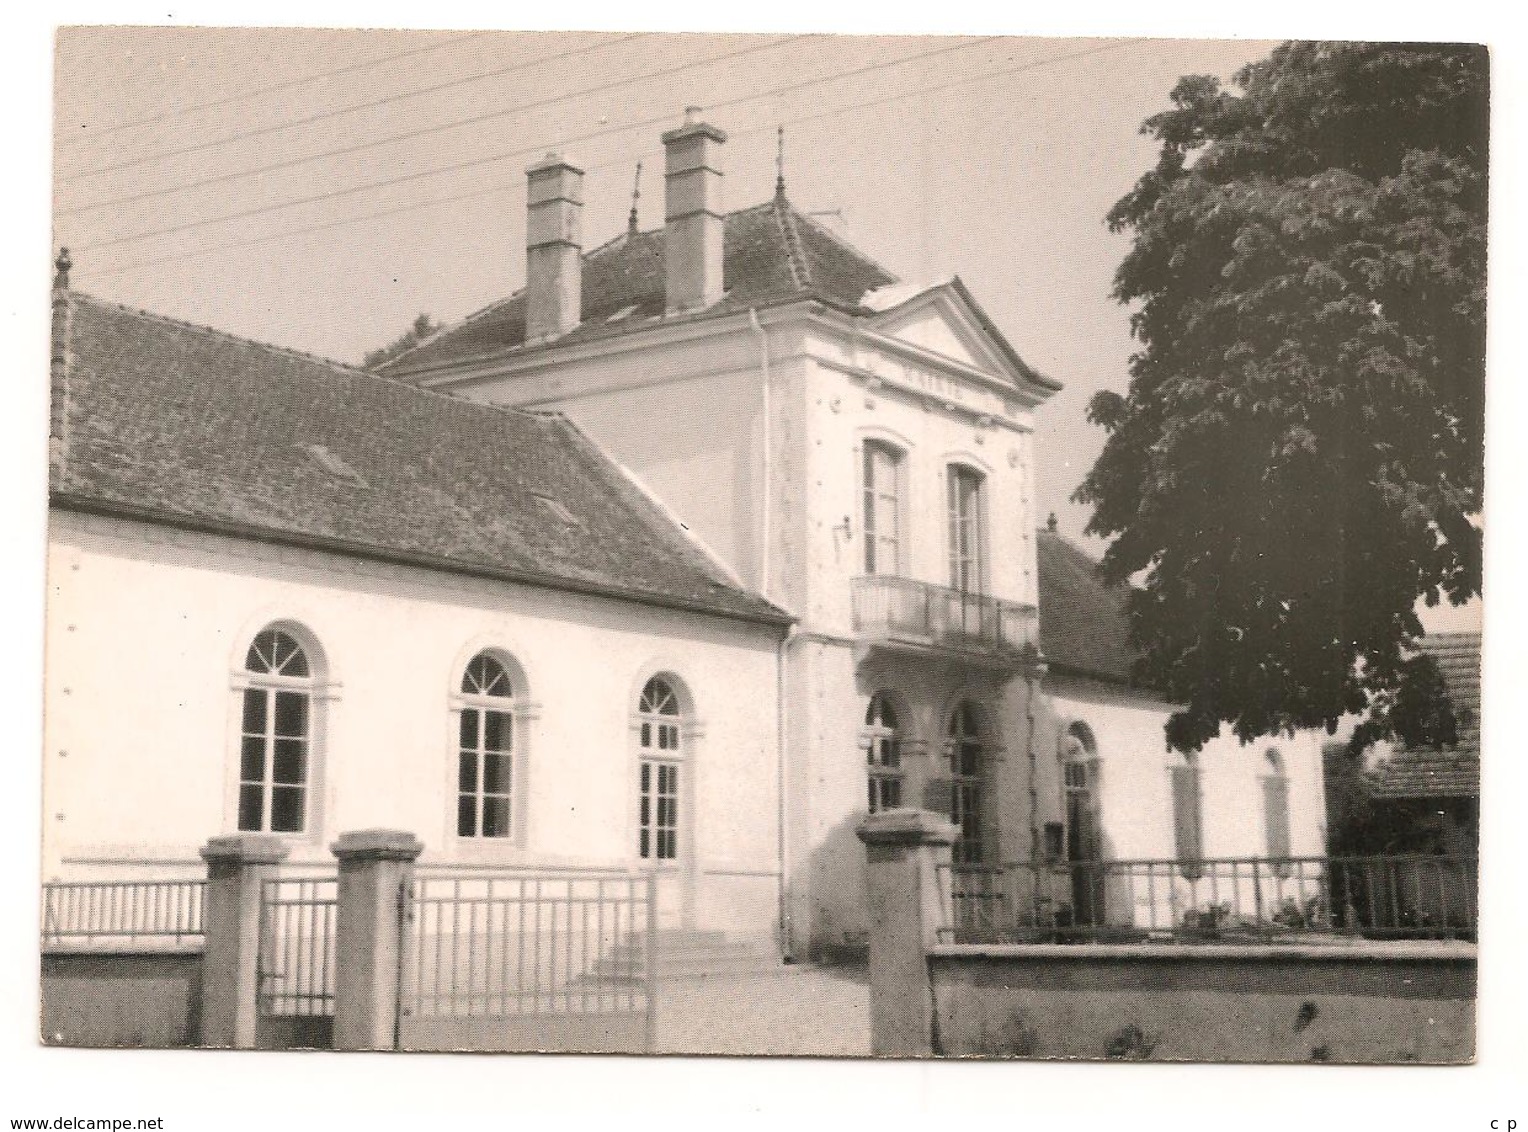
[[992, 158]]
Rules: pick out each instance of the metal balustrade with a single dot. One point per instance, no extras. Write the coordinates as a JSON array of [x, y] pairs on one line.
[[122, 913], [1255, 899], [501, 945], [921, 613], [297, 943]]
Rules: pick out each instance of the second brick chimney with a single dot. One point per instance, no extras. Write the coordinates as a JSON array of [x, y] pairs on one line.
[[693, 214], [553, 248]]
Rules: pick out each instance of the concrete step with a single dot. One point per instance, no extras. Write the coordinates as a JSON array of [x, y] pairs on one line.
[[684, 954]]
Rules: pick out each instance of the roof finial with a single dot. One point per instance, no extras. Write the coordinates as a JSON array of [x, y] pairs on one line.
[[636, 195], [780, 162], [61, 270], [1051, 524]]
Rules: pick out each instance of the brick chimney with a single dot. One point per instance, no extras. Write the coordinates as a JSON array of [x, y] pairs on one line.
[[553, 248], [692, 232]]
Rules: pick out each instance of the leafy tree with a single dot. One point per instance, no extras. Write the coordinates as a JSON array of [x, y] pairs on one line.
[[1300, 451], [420, 329]]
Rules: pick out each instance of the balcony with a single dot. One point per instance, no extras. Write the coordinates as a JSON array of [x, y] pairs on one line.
[[921, 617]]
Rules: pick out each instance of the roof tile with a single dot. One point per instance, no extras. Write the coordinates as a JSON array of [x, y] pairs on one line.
[[1084, 626], [1453, 772], [771, 253], [183, 423]]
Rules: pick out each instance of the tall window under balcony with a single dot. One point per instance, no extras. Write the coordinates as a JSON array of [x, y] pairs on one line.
[[882, 477], [967, 782], [882, 754], [967, 536]]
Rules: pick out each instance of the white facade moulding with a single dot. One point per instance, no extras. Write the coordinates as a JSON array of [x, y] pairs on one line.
[[520, 361]]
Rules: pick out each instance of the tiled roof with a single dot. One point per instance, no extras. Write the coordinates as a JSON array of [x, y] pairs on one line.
[[1084, 628], [1453, 772], [771, 254], [181, 424]]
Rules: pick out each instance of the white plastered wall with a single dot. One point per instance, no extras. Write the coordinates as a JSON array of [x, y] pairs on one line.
[[147, 628]]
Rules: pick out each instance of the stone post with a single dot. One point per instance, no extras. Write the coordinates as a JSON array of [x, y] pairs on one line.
[[237, 866], [374, 866], [903, 850]]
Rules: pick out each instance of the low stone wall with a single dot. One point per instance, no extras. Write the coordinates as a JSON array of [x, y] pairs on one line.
[[1353, 1002], [149, 999]]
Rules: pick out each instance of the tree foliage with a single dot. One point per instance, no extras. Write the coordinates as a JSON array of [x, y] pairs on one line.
[[421, 328], [1300, 452]]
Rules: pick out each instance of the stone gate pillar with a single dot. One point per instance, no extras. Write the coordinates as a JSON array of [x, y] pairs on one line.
[[908, 903], [374, 867], [237, 867]]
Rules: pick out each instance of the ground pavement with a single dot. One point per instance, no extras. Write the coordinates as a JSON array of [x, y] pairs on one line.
[[801, 1010]]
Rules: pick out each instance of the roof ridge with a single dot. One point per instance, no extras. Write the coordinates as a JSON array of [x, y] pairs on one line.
[[801, 275], [301, 355], [828, 233]]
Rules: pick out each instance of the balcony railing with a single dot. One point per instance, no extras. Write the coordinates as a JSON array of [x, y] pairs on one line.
[[919, 613], [1227, 900]]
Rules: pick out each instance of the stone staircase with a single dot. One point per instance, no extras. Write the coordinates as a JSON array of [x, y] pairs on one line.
[[697, 954]]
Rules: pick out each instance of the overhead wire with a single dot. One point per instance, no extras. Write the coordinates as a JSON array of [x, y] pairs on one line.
[[413, 206], [260, 92], [338, 112], [475, 162]]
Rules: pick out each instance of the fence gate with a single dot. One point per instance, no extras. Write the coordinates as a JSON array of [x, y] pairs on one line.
[[513, 961], [296, 963]]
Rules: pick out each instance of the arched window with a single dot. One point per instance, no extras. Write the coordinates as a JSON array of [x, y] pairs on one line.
[[881, 476], [659, 760], [967, 527], [967, 782], [882, 754], [1079, 752], [485, 770], [276, 734], [1084, 845]]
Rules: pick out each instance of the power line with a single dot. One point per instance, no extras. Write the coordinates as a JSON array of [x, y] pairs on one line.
[[471, 163], [324, 115], [409, 135], [476, 193], [244, 96]]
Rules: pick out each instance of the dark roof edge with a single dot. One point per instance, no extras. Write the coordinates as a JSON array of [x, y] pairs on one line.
[[713, 313], [67, 501], [1061, 668], [1031, 374]]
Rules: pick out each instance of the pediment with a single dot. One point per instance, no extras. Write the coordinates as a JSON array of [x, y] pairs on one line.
[[945, 320]]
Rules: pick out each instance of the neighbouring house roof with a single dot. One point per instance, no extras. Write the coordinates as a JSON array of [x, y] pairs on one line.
[[1453, 772], [177, 423], [1084, 627], [772, 253]]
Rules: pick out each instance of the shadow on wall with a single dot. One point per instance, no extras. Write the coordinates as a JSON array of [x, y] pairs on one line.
[[840, 928]]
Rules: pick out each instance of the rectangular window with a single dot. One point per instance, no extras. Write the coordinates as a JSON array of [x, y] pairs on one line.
[[1188, 828], [658, 811], [1079, 814], [1276, 815], [273, 761], [964, 498], [885, 768], [966, 802], [966, 812], [882, 478], [484, 773]]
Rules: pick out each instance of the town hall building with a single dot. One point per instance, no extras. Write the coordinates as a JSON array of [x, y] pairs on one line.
[[683, 557]]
